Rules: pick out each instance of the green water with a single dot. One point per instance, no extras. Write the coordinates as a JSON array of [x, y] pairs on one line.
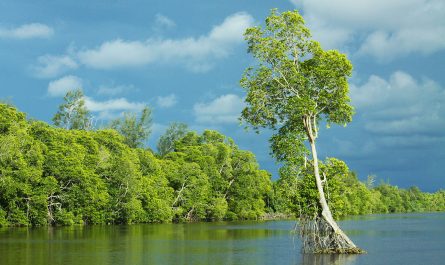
[[389, 239]]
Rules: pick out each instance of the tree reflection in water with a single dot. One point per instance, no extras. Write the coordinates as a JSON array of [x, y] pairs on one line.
[[328, 259]]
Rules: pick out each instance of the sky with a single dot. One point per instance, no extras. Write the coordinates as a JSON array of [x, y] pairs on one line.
[[185, 60]]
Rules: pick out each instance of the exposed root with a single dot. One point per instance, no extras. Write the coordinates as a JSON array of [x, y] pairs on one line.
[[318, 236]]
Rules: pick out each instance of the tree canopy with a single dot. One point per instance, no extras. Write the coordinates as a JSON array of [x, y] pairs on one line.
[[135, 130], [73, 114], [54, 176], [295, 84], [174, 132]]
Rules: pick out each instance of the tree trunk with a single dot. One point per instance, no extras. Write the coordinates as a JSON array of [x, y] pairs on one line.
[[326, 212], [320, 233]]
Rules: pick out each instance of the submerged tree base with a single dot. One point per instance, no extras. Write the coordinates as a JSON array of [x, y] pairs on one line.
[[319, 237]]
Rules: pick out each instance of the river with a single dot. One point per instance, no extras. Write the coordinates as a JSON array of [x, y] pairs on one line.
[[388, 239]]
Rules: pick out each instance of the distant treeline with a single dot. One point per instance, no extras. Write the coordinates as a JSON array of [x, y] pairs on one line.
[[347, 195], [54, 176]]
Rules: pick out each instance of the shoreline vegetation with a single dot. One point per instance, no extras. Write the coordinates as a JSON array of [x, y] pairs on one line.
[[54, 176]]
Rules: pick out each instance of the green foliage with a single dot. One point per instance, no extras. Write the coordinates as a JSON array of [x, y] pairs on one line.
[[286, 192], [296, 192], [21, 164], [250, 187], [294, 78], [3, 220], [236, 188], [9, 117], [156, 195], [219, 208], [174, 132], [73, 114], [134, 130], [54, 176], [295, 85]]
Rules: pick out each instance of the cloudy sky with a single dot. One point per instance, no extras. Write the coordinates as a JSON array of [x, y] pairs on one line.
[[185, 61]]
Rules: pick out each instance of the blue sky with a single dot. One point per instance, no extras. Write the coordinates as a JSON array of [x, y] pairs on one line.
[[185, 59]]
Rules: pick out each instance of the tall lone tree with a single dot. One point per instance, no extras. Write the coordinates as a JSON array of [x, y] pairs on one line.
[[73, 114], [293, 87]]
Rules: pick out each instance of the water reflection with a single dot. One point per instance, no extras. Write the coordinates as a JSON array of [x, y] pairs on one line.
[[388, 240], [328, 259], [202, 243]]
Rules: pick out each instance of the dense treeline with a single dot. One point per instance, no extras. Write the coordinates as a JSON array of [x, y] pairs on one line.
[[347, 195], [61, 177], [56, 176]]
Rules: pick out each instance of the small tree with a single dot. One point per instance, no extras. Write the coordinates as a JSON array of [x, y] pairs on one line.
[[295, 85], [135, 130], [73, 114], [174, 132]]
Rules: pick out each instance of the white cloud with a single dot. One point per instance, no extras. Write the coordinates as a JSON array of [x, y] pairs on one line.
[[401, 105], [387, 45], [380, 28], [224, 109], [118, 53], [167, 101], [114, 90], [113, 105], [27, 31], [112, 108], [59, 87], [162, 22], [50, 66], [195, 53], [104, 110]]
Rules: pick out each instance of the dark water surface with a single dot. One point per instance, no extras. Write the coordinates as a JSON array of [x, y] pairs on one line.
[[389, 239]]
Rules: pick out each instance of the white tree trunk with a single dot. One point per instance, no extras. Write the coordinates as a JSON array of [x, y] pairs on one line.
[[326, 212]]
